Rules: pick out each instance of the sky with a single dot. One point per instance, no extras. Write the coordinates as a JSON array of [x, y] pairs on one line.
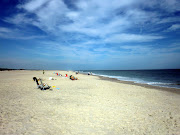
[[90, 34]]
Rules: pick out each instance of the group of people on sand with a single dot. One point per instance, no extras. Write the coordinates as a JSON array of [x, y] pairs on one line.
[[66, 75], [58, 74]]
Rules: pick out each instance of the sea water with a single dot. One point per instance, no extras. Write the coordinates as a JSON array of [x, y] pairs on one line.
[[164, 78]]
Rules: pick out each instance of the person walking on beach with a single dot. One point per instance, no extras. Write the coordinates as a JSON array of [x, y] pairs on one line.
[[43, 72]]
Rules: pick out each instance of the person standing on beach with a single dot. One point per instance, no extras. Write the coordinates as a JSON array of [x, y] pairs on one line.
[[43, 72]]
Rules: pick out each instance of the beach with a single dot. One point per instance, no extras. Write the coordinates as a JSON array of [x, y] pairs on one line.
[[91, 105]]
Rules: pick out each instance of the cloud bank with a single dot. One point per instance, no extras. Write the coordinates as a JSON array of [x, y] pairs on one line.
[[96, 30]]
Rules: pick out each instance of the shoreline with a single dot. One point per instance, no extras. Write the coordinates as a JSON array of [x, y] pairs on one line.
[[136, 83], [170, 89], [174, 90]]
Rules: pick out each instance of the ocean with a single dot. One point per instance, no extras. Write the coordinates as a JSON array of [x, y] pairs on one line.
[[164, 78]]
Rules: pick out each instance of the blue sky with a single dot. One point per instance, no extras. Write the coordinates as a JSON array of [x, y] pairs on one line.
[[90, 34]]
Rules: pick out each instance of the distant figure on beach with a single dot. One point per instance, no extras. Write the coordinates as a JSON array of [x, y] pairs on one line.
[[89, 73], [66, 75], [43, 72]]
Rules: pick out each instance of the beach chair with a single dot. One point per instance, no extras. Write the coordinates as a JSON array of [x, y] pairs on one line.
[[42, 86]]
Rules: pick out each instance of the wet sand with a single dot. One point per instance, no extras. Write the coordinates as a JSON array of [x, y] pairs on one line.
[[172, 90], [90, 105]]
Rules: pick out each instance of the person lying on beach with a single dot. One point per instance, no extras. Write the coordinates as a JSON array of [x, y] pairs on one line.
[[73, 78]]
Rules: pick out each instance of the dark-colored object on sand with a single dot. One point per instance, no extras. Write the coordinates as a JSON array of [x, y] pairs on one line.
[[72, 77], [41, 86], [35, 79]]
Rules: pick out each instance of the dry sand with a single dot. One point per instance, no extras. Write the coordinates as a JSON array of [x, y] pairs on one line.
[[88, 106]]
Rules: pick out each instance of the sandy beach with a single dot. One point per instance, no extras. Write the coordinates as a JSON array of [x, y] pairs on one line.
[[88, 106]]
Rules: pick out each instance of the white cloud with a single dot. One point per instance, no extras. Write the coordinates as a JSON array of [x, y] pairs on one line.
[[165, 5], [19, 19], [48, 14], [170, 5], [73, 15], [137, 48], [87, 32], [118, 38], [94, 18], [168, 20], [4, 30], [53, 16], [8, 33], [33, 5], [174, 27]]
